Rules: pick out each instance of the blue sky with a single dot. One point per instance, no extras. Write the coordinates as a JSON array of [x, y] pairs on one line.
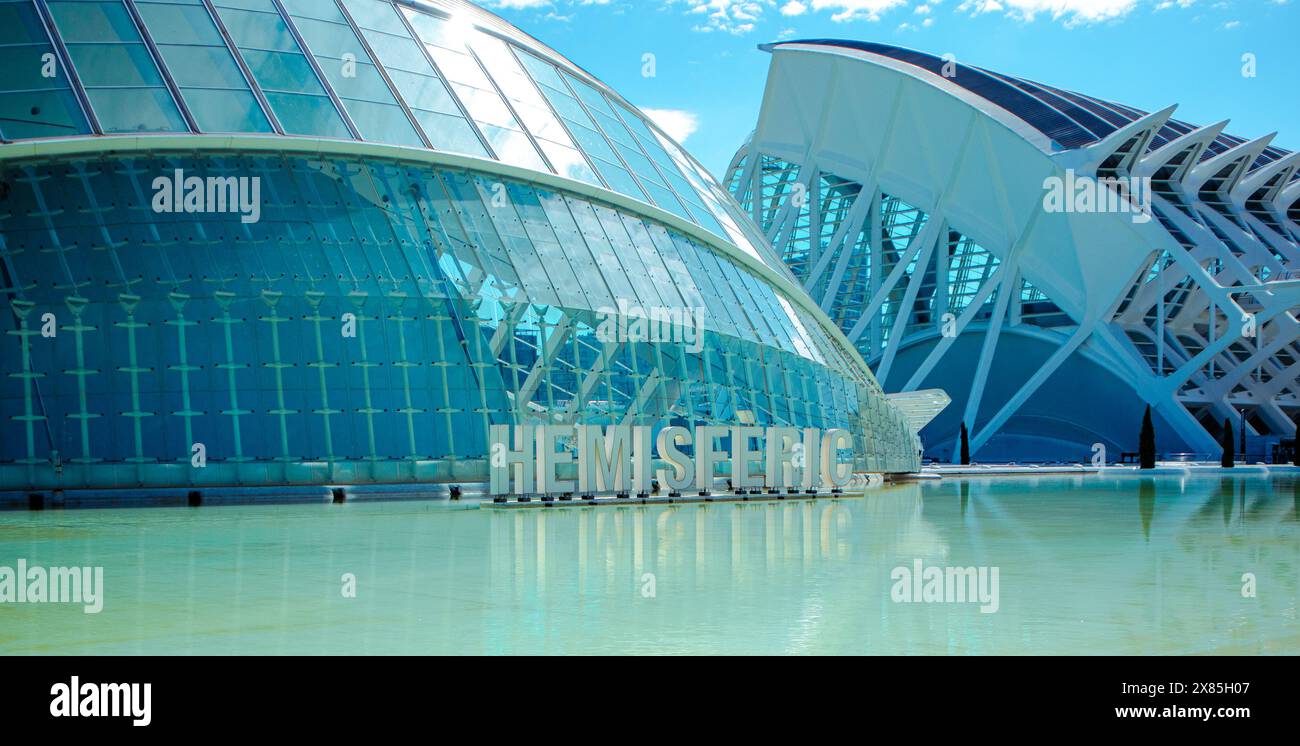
[[1148, 54]]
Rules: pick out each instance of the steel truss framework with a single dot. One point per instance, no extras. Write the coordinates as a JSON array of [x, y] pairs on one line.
[[905, 204]]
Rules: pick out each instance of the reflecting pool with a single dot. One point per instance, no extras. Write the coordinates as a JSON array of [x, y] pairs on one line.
[[1090, 564]]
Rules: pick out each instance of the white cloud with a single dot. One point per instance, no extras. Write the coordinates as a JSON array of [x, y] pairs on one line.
[[1073, 12], [741, 16], [729, 16], [676, 123], [856, 10], [527, 4], [516, 4]]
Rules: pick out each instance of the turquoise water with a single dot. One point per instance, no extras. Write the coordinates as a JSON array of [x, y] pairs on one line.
[[1086, 565]]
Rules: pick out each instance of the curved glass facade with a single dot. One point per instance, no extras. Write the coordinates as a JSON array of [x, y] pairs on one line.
[[475, 302], [444, 76], [295, 310]]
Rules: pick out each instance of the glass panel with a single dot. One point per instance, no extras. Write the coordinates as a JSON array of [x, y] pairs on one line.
[[286, 78], [585, 132], [226, 110], [256, 25], [413, 76], [27, 114], [116, 68], [301, 114], [203, 67], [115, 65], [536, 114], [283, 71], [169, 23], [628, 147], [36, 98], [93, 22], [377, 15], [352, 73], [451, 133], [135, 109], [445, 43]]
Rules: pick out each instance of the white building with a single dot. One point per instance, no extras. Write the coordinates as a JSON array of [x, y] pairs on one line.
[[912, 196]]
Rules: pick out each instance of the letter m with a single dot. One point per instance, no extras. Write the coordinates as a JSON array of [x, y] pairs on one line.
[[604, 459]]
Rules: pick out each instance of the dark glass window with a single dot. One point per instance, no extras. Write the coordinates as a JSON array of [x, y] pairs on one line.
[[36, 98]]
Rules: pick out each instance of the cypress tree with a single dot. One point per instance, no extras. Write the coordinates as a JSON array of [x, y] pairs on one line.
[[1147, 442], [1229, 445], [965, 446]]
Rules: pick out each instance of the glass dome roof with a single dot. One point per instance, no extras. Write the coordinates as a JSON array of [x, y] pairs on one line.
[[440, 75]]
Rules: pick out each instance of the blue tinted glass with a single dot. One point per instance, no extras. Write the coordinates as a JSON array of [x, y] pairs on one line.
[[179, 24], [385, 123], [446, 45], [19, 24], [322, 9], [532, 110], [26, 67], [352, 74], [378, 15], [121, 77], [283, 71], [586, 134], [256, 30], [225, 110], [397, 53], [414, 78], [135, 109], [99, 22], [36, 98], [203, 68], [451, 133], [40, 114], [302, 114], [295, 94], [115, 65], [424, 92]]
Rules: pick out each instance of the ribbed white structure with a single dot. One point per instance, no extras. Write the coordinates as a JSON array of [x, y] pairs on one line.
[[906, 190]]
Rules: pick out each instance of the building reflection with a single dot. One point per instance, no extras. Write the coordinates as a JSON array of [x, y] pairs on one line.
[[591, 547]]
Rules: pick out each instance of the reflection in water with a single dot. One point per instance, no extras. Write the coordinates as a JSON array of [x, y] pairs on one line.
[[1087, 564], [1295, 499], [1147, 504]]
